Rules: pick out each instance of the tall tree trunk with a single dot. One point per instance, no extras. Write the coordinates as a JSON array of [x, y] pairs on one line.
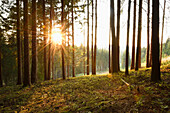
[[62, 52], [45, 42], [53, 53], [88, 37], [49, 52], [95, 45], [34, 44], [155, 74], [162, 30], [73, 65], [19, 81], [127, 45], [68, 60], [134, 35], [114, 64], [27, 80], [1, 83], [92, 56], [84, 51], [138, 55], [148, 34], [109, 53], [118, 32]]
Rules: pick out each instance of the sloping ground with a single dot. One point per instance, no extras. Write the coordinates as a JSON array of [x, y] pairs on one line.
[[102, 93]]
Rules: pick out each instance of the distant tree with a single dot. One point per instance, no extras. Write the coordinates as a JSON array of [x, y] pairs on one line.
[[155, 74], [127, 45], [19, 80], [134, 34], [62, 52], [27, 80], [163, 18], [88, 38], [95, 43], [34, 43], [118, 32], [114, 64], [73, 64], [148, 34], [138, 54], [45, 41], [92, 56]]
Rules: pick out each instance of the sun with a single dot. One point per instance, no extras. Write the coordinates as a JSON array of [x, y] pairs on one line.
[[56, 36]]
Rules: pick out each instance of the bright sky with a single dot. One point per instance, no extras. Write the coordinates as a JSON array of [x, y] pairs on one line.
[[104, 21]]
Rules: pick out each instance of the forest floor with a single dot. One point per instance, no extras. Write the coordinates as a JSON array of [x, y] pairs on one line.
[[92, 94]]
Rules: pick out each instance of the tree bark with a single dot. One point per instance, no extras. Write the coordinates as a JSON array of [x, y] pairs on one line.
[[155, 74], [118, 32], [19, 81], [138, 55], [88, 37], [127, 45], [92, 56], [73, 64], [45, 42], [109, 53], [148, 34], [1, 83], [134, 35], [162, 31], [95, 45], [27, 81], [68, 60], [34, 44]]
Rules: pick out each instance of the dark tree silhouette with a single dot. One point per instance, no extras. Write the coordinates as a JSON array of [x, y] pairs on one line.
[[155, 75], [118, 32], [134, 34], [45, 42], [62, 51], [127, 45], [26, 80], [109, 53], [73, 64], [68, 60], [92, 56], [95, 43], [1, 83], [34, 43], [138, 54], [19, 81], [88, 37], [148, 34]]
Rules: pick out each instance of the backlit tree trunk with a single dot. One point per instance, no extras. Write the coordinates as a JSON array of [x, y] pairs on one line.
[[92, 56], [127, 45], [155, 74], [118, 32], [138, 54], [19, 81], [1, 83], [34, 44], [27, 80], [95, 45], [88, 37], [73, 64]]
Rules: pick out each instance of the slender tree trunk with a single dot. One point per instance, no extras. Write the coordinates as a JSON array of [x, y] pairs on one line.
[[114, 64], [95, 45], [127, 45], [134, 35], [53, 53], [62, 52], [34, 44], [27, 80], [73, 64], [162, 30], [138, 55], [155, 74], [45, 42], [68, 61], [19, 82], [109, 53], [148, 34], [49, 52], [118, 32], [88, 37], [92, 56], [84, 50]]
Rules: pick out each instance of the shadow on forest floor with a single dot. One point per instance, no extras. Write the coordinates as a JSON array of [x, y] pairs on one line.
[[101, 93]]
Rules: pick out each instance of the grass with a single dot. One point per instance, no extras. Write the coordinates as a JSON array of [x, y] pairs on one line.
[[99, 94]]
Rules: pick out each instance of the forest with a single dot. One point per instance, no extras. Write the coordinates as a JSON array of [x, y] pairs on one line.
[[87, 56]]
